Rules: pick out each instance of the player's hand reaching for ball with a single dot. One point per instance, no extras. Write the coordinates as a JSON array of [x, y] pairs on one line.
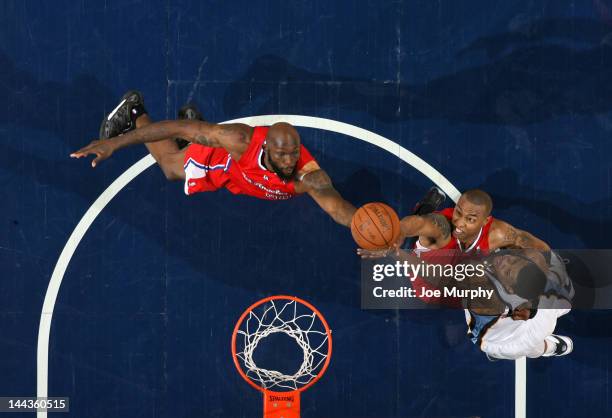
[[381, 253], [102, 148], [376, 230], [363, 253]]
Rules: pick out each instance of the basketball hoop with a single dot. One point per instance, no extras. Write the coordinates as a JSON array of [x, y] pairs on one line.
[[302, 322]]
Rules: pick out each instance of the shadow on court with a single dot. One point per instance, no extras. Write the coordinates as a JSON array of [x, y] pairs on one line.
[[540, 70]]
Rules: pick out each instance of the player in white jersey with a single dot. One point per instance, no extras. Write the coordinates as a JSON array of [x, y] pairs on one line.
[[530, 294], [526, 328]]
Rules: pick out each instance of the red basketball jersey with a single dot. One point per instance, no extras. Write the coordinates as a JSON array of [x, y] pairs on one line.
[[208, 169], [481, 243], [445, 255]]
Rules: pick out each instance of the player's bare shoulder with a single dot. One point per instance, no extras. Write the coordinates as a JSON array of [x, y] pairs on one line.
[[239, 131], [234, 137], [504, 235]]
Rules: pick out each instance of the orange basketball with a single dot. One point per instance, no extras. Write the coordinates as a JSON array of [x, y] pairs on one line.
[[375, 226]]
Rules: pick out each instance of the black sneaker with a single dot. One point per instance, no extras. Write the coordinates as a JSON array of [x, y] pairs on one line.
[[187, 112], [123, 117], [564, 345], [430, 202]]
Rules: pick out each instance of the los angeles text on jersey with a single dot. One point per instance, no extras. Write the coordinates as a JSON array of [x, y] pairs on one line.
[[273, 194], [423, 292]]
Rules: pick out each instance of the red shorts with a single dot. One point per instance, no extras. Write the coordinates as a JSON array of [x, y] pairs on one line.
[[206, 169]]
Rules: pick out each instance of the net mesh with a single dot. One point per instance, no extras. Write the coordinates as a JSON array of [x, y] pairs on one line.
[[296, 321]]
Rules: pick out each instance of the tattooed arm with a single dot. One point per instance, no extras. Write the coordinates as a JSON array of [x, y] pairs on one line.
[[233, 137], [432, 226], [504, 235], [433, 230], [319, 186]]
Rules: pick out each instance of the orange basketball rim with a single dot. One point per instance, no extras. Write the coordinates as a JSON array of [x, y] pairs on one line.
[[297, 319]]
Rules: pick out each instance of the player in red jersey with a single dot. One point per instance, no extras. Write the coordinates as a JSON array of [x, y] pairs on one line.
[[434, 245], [474, 229], [264, 162], [510, 324]]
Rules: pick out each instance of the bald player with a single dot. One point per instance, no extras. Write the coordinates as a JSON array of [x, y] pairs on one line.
[[474, 229], [265, 162]]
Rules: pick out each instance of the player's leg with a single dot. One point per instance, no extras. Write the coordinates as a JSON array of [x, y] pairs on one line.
[[130, 113], [543, 324], [558, 345], [170, 153], [166, 152], [509, 339]]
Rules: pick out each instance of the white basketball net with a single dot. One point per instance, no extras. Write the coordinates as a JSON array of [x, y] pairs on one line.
[[281, 315]]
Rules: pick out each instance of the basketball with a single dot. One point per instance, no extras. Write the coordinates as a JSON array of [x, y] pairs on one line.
[[375, 226]]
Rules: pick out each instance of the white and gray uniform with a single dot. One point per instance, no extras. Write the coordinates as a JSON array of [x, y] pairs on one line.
[[504, 338]]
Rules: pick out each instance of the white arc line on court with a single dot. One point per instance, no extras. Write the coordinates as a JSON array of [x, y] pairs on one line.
[[520, 388], [44, 330]]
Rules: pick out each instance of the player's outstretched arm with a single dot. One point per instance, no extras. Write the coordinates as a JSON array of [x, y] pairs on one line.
[[432, 225], [319, 186], [233, 137], [504, 235]]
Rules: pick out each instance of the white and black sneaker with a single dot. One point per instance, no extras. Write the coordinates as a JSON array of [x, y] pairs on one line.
[[187, 112], [123, 117], [563, 345]]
